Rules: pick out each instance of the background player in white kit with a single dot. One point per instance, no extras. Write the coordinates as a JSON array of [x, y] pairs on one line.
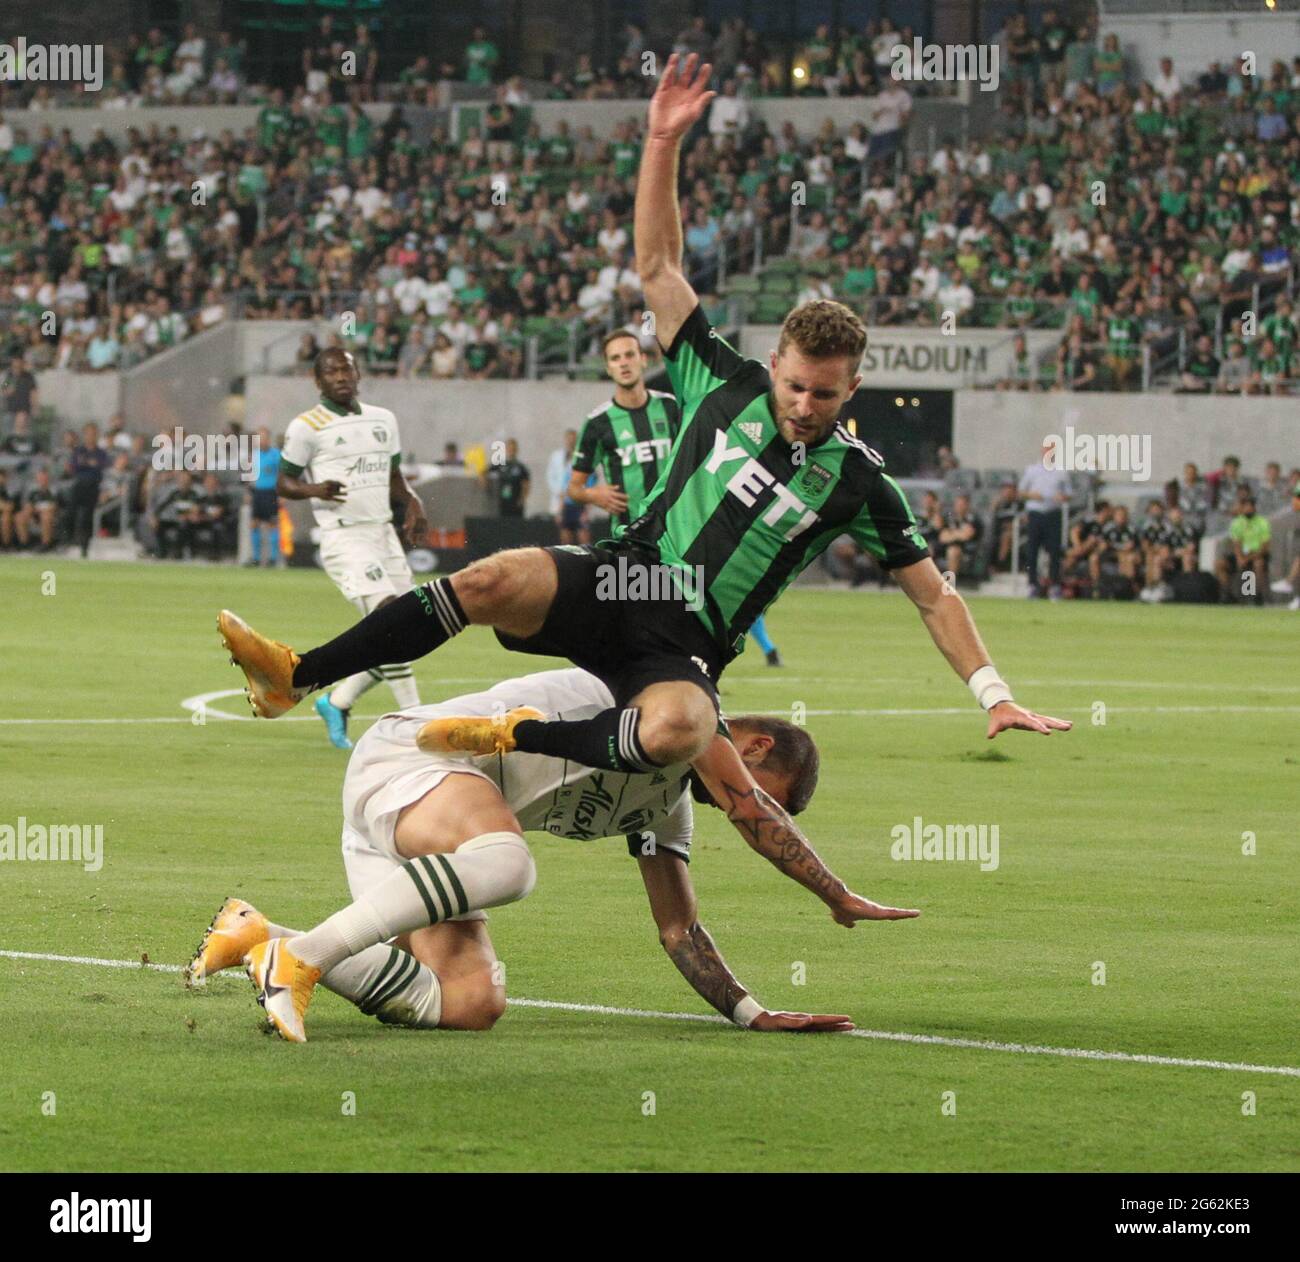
[[429, 841], [345, 456]]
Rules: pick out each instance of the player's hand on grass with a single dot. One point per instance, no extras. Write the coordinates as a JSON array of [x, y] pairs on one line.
[[610, 498], [1006, 715], [333, 491], [853, 907], [800, 1023], [680, 98]]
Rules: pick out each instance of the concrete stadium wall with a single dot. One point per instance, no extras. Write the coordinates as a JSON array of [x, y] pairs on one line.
[[466, 412], [1001, 430], [1194, 40], [602, 117], [77, 397]]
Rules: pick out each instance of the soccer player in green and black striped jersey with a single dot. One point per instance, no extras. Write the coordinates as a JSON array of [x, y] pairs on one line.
[[627, 439], [761, 479]]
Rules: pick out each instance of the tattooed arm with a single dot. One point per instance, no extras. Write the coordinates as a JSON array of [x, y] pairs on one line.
[[687, 942], [769, 830]]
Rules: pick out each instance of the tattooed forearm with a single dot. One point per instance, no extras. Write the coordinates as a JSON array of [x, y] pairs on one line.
[[770, 831], [698, 961]]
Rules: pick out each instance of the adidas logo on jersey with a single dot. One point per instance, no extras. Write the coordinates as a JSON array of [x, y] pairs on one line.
[[752, 430]]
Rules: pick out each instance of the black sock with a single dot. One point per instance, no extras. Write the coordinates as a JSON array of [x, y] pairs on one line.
[[400, 631], [608, 740]]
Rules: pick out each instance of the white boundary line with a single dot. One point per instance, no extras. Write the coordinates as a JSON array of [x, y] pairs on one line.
[[196, 703], [928, 1040]]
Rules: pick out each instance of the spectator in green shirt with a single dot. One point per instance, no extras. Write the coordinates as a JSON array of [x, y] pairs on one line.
[[481, 57], [1248, 539], [1108, 66]]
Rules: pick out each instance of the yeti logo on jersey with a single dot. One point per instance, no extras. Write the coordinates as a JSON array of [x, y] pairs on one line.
[[751, 480], [644, 452], [381, 435], [751, 430]]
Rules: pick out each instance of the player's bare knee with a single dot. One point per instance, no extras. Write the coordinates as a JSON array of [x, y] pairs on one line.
[[474, 1002], [674, 732]]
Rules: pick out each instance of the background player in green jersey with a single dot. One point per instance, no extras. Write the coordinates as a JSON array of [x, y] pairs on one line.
[[627, 439]]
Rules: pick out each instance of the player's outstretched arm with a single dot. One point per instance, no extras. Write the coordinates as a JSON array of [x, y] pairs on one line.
[[678, 102], [691, 949], [769, 830], [952, 629]]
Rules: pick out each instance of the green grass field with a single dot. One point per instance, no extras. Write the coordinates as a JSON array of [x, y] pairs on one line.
[[1120, 842]]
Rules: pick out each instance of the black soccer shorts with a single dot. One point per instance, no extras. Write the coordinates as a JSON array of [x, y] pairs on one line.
[[627, 643]]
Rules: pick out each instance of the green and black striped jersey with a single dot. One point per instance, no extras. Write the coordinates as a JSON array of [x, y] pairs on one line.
[[630, 446], [748, 508]]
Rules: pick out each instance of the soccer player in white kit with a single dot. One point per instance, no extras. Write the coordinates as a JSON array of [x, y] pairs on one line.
[[345, 456], [430, 841]]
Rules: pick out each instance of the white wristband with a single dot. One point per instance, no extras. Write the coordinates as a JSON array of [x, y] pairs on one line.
[[988, 687], [746, 1010]]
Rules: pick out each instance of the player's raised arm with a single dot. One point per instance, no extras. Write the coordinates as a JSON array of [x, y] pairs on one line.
[[677, 103], [769, 830], [691, 949]]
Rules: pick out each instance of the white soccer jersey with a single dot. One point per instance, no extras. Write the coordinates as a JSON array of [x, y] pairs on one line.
[[553, 795], [354, 448]]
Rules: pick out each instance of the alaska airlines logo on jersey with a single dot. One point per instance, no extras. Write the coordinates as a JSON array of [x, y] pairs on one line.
[[367, 464], [751, 480], [595, 797], [644, 452]]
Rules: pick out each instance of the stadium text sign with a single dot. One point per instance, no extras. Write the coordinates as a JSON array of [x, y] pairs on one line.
[[207, 453], [21, 62], [925, 358]]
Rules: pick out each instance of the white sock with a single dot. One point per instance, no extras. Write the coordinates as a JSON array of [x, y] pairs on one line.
[[388, 983], [384, 982], [345, 694], [401, 680], [486, 871]]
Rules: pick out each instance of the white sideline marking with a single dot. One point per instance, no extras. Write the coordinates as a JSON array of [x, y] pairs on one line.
[[932, 712], [930, 1040]]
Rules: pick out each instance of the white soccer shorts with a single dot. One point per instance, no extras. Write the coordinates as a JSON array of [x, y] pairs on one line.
[[366, 563]]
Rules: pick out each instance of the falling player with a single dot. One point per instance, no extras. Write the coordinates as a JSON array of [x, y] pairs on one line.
[[429, 842], [761, 480], [345, 456]]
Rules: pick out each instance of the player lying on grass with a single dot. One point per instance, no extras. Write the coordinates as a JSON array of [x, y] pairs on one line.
[[429, 842], [760, 480]]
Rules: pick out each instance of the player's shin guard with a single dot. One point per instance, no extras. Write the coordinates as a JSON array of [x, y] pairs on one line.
[[486, 871], [400, 631], [610, 739], [353, 687]]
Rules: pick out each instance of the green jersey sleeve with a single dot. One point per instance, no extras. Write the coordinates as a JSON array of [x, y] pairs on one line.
[[699, 360], [886, 528], [587, 451]]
